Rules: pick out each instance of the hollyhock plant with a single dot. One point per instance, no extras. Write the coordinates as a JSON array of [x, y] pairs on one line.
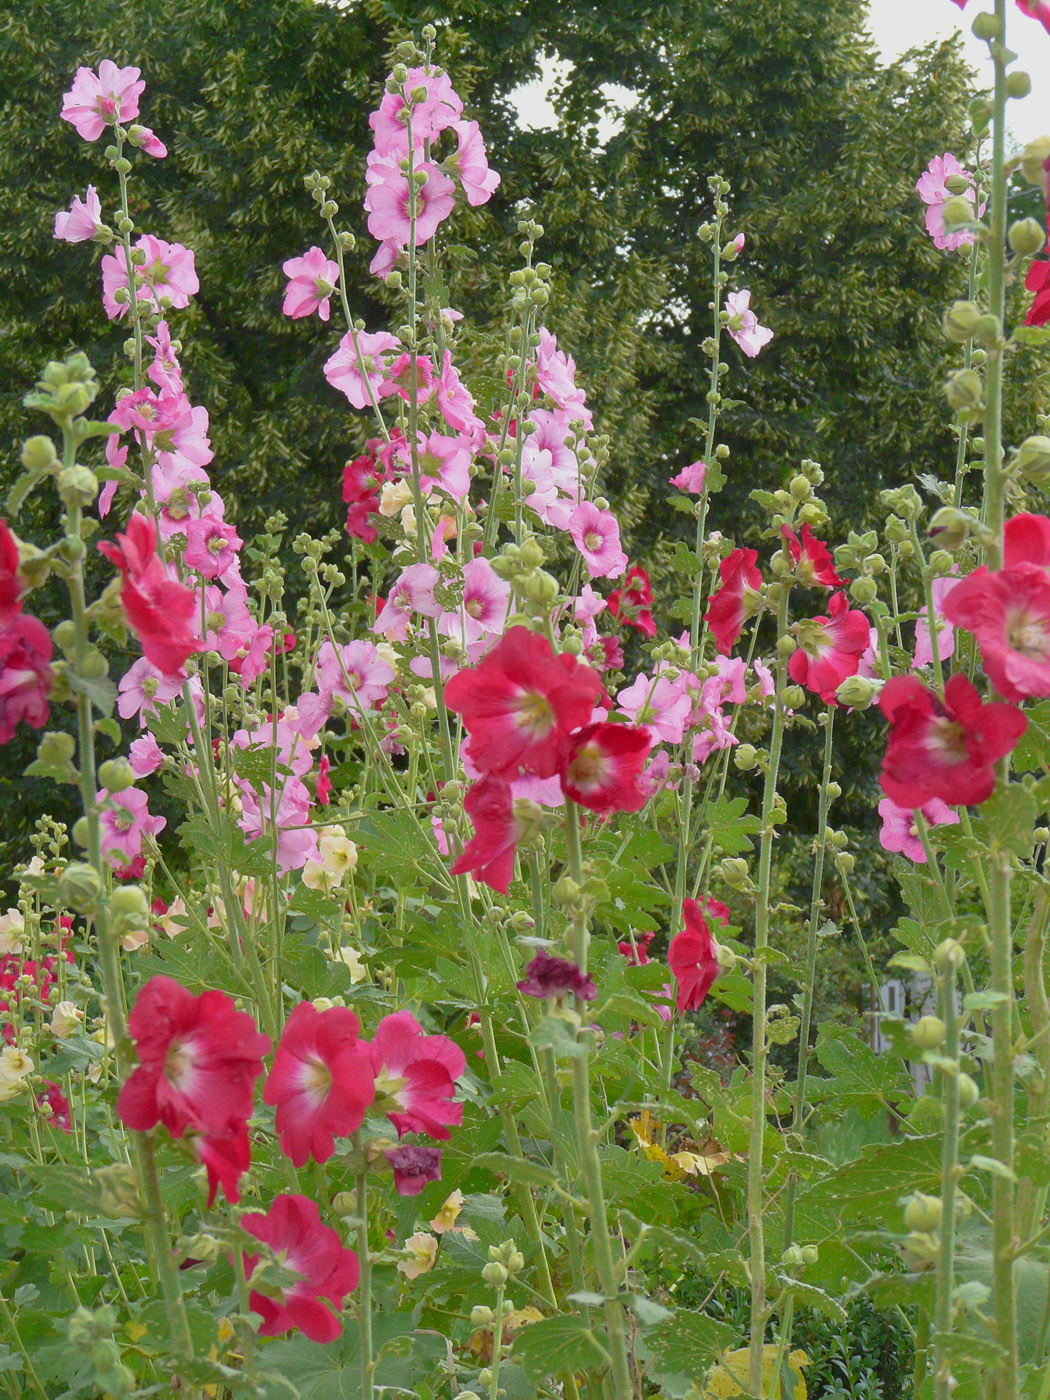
[[933, 190], [159, 610], [736, 600], [359, 369], [311, 281], [82, 221], [830, 648], [96, 101], [1037, 280], [440, 108], [199, 1058], [548, 976], [693, 958], [12, 584], [661, 705], [743, 324], [1008, 612], [293, 1230], [520, 704], [603, 765], [597, 536], [415, 1077], [899, 832], [483, 611], [225, 1158], [212, 548], [321, 1082], [812, 558], [634, 601], [691, 478], [556, 377], [167, 271], [25, 675], [1034, 9], [411, 593], [944, 748], [923, 656], [389, 202], [414, 1168], [124, 820], [499, 825]]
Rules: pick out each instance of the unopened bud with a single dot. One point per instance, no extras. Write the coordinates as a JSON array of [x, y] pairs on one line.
[[128, 908], [957, 210], [923, 1213], [959, 321], [80, 886], [987, 26], [968, 1091], [77, 486], [950, 528], [1018, 83], [857, 693], [38, 454], [745, 757], [941, 562], [116, 775], [1026, 237], [734, 872], [863, 590], [542, 589], [948, 953], [495, 1275], [480, 1316], [1032, 158], [988, 329], [928, 1033], [964, 390], [1032, 460], [119, 1191]]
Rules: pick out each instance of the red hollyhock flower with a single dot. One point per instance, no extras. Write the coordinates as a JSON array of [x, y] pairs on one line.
[[736, 600], [813, 562], [603, 765], [520, 704], [292, 1228], [415, 1076], [12, 585], [58, 1104], [692, 958], [321, 1081], [1026, 540], [1009, 613], [225, 1159], [634, 601], [160, 611], [1037, 280], [830, 648], [944, 748], [324, 782], [414, 1168], [25, 675], [199, 1058], [638, 951], [361, 496], [489, 854]]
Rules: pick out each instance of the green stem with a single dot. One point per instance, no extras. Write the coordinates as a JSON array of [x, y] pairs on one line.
[[244, 1327], [364, 1287], [942, 1379], [497, 1343]]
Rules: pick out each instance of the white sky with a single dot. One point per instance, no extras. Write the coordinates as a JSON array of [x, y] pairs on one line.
[[896, 25]]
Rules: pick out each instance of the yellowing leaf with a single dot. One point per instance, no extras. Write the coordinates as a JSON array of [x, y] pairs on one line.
[[136, 1331], [730, 1376]]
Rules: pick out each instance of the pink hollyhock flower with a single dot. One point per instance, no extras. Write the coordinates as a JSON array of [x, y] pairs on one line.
[[1037, 280], [311, 281], [812, 558], [454, 399], [321, 1082], [145, 756], [737, 599], [743, 324], [164, 371], [940, 588], [830, 648], [933, 191], [944, 748], [661, 705], [159, 610], [413, 592], [637, 953], [633, 602], [444, 462], [12, 584], [168, 273], [404, 375], [597, 537], [520, 704], [691, 478], [95, 102], [602, 767], [356, 673], [549, 977], [389, 203], [692, 957], [212, 548], [125, 820], [199, 1058], [1026, 540], [414, 1168], [225, 1158], [82, 221], [143, 687], [556, 376], [415, 1076], [1009, 613], [293, 1230], [358, 371], [899, 832], [229, 626], [470, 163], [483, 610], [440, 108], [25, 675], [147, 140], [489, 855]]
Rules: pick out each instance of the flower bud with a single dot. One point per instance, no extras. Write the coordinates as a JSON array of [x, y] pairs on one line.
[[38, 454], [1032, 158], [495, 1275], [928, 1033], [734, 872], [531, 554], [923, 1213], [941, 562], [1018, 83], [480, 1316], [948, 953], [81, 832], [119, 1191], [566, 892], [344, 1203], [950, 528], [56, 749], [964, 390], [1032, 459], [957, 210], [80, 887], [857, 692], [542, 589], [844, 862], [77, 486], [745, 757], [128, 908], [863, 591], [959, 321], [968, 1091], [115, 775], [988, 329], [1026, 237], [987, 26]]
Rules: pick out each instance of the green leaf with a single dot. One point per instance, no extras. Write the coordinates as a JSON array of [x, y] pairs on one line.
[[687, 1343], [1031, 335], [1033, 749], [859, 1075], [731, 830], [867, 1189], [993, 1166], [516, 1168], [1009, 816], [566, 1343]]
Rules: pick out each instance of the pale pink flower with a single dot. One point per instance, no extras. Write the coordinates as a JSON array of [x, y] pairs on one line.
[[229, 626], [470, 163], [743, 324], [661, 706], [359, 664], [412, 592], [386, 258], [95, 102], [354, 370], [940, 588], [931, 187], [556, 376], [82, 220], [312, 280], [388, 201], [483, 611], [440, 108], [597, 537], [251, 659], [691, 478], [168, 275], [454, 399], [143, 687], [124, 821], [212, 548], [145, 756], [444, 462], [148, 141], [165, 370], [588, 605], [899, 831]]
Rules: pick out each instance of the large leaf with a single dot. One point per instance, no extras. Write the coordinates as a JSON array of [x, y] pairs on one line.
[[566, 1343], [858, 1075]]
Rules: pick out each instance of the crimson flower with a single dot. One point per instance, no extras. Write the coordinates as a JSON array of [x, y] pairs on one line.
[[199, 1058], [830, 648], [633, 602], [292, 1228], [1037, 279], [944, 748], [637, 953], [159, 609], [520, 704], [12, 585], [225, 1158], [489, 854], [692, 958], [321, 1081], [415, 1076], [25, 674], [813, 562], [1008, 611], [736, 600], [602, 767], [1026, 540]]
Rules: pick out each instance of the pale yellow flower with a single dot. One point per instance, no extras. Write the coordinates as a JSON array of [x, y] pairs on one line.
[[65, 1019], [448, 1214], [12, 927], [419, 1253]]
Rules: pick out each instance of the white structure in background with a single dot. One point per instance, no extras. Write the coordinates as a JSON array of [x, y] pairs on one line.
[[905, 999]]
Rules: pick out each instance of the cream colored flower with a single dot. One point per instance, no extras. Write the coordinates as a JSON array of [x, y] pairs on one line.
[[408, 520], [173, 922], [352, 958], [393, 497], [386, 651], [138, 938], [15, 1069], [65, 1019], [448, 1214], [419, 1252], [12, 927]]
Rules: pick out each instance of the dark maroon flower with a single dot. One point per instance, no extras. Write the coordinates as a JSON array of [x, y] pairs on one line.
[[414, 1167], [548, 976]]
